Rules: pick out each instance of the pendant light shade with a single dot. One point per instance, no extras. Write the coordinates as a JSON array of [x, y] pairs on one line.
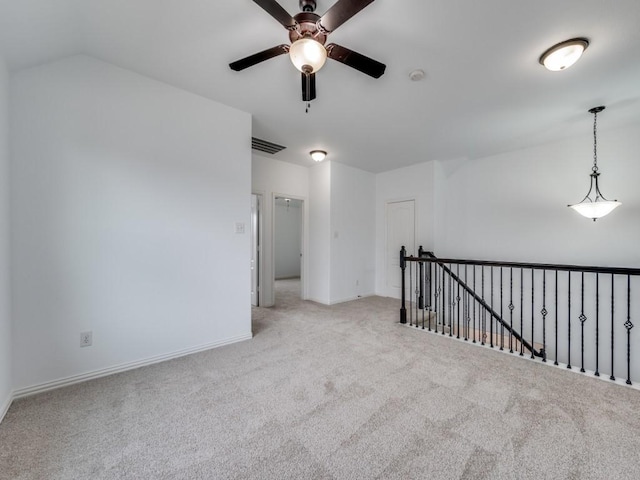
[[597, 209], [594, 205]]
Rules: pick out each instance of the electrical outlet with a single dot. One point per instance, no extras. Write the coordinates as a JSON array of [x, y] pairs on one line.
[[86, 339]]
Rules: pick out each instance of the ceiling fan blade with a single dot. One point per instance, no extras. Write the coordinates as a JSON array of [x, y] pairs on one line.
[[340, 12], [356, 60], [274, 9], [256, 58], [308, 87]]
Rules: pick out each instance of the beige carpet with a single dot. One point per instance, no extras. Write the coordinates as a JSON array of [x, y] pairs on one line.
[[340, 392]]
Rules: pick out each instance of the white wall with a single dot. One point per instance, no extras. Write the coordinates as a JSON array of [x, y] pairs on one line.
[[414, 182], [320, 232], [287, 239], [513, 206], [6, 383], [337, 199], [271, 178], [126, 192], [352, 233]]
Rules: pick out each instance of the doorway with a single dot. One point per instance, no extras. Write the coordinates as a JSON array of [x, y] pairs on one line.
[[288, 214], [400, 230]]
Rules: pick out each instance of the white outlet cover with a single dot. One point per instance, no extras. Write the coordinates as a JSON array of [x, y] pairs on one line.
[[86, 339], [239, 227]]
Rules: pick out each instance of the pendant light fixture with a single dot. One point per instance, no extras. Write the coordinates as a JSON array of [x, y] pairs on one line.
[[596, 206]]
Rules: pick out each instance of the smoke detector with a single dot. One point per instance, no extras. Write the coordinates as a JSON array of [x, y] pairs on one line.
[[416, 75]]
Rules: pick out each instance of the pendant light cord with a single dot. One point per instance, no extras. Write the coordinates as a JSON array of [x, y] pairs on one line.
[[595, 143]]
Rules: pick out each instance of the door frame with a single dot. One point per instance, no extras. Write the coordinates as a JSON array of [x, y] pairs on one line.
[[388, 289], [303, 242], [260, 264]]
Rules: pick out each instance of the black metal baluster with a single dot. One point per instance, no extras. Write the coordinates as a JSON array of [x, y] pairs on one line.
[[484, 311], [597, 372], [521, 312], [418, 293], [544, 315], [451, 303], [444, 305], [583, 319], [430, 297], [491, 316], [569, 321], [421, 267], [532, 311], [511, 307], [501, 315], [466, 315], [403, 308], [628, 325], [474, 305], [458, 299], [556, 360], [410, 294], [423, 280], [612, 377], [436, 294]]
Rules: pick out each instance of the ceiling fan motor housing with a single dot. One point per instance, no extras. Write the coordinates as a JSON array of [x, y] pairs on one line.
[[307, 27]]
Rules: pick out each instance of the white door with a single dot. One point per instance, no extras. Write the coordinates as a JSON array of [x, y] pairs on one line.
[[255, 250], [401, 230]]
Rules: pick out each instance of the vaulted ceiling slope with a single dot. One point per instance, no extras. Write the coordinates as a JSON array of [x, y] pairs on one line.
[[484, 91]]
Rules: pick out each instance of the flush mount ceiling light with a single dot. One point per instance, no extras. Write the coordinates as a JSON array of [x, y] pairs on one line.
[[564, 54], [598, 206], [318, 155]]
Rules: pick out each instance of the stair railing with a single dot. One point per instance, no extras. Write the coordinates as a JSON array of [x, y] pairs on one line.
[[528, 307]]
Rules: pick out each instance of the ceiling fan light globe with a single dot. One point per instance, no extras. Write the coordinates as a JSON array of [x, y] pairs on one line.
[[563, 55], [307, 53], [596, 209]]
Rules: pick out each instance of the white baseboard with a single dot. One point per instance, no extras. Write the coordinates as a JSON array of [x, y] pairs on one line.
[[349, 299], [123, 367], [342, 300], [4, 407]]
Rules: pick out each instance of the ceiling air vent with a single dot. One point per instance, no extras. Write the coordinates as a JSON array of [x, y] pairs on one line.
[[265, 146]]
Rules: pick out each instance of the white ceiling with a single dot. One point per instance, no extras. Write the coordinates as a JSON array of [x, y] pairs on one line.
[[484, 91]]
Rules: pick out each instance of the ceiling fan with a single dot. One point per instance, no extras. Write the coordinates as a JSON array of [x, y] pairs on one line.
[[308, 34]]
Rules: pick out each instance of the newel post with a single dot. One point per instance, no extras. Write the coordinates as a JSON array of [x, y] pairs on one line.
[[403, 266]]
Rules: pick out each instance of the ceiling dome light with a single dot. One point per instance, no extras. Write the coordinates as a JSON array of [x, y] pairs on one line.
[[307, 55], [564, 54], [318, 155]]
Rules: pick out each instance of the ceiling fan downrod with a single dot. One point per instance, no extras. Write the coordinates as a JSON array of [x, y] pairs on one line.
[[307, 5]]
